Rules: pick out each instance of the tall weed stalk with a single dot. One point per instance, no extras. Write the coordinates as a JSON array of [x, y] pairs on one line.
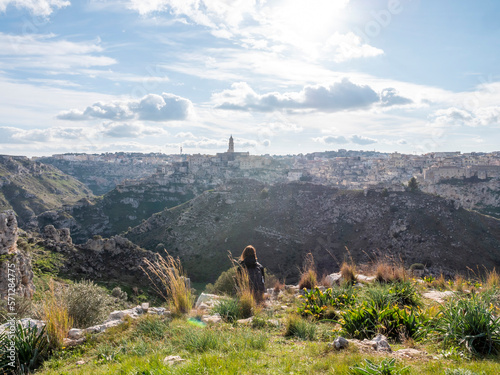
[[167, 277]]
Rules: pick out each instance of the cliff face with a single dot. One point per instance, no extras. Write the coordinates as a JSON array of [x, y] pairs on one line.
[[15, 267], [101, 177], [286, 221], [30, 188], [116, 211], [472, 194]]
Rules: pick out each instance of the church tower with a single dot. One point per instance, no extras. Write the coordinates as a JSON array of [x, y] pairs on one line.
[[231, 144]]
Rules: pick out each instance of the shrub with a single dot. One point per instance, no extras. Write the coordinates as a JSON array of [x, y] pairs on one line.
[[167, 277], [348, 273], [226, 282], [117, 292], [300, 328], [469, 324], [30, 346], [87, 303], [386, 367]]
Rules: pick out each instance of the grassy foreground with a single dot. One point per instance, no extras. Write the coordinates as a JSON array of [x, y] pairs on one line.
[[139, 347]]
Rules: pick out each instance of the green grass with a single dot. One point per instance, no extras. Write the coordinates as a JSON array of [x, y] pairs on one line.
[[139, 347]]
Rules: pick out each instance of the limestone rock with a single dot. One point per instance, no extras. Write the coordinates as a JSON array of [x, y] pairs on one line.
[[340, 343], [172, 360], [17, 279]]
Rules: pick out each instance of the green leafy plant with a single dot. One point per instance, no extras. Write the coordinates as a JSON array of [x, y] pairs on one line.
[[470, 324], [386, 367], [365, 321], [30, 346], [405, 293], [316, 303]]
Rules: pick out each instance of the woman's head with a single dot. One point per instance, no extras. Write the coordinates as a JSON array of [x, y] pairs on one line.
[[249, 251]]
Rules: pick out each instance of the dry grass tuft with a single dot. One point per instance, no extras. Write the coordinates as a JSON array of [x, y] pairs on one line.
[[440, 282], [55, 314], [167, 277], [348, 273], [492, 279], [308, 277], [246, 299]]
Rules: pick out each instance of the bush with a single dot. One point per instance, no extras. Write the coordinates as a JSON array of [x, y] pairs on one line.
[[88, 304], [30, 345], [226, 283], [117, 292], [300, 328], [469, 324]]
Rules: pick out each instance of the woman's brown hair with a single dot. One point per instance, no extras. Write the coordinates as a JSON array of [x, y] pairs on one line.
[[247, 252]]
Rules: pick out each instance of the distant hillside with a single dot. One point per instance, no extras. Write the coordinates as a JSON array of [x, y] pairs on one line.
[[286, 221], [30, 188], [100, 176], [471, 193], [116, 211]]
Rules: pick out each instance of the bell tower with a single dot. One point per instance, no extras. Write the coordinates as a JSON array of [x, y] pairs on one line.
[[231, 144]]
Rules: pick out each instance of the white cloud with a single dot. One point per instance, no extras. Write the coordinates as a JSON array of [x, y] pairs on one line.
[[127, 130], [339, 139], [340, 96], [48, 52], [152, 107], [481, 116], [37, 7], [270, 25], [349, 46]]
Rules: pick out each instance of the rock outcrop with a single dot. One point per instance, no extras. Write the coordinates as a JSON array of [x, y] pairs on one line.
[[16, 278], [109, 259]]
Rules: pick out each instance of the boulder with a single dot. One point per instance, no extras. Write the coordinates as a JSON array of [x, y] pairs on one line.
[[340, 343]]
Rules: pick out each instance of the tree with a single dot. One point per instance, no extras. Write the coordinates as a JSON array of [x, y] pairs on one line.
[[413, 184]]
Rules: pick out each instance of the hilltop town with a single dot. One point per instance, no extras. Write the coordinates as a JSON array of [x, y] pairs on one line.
[[343, 169]]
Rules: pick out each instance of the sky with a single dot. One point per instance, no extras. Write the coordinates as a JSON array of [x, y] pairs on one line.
[[280, 76]]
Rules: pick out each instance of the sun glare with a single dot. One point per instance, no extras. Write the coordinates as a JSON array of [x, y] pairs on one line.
[[308, 23]]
